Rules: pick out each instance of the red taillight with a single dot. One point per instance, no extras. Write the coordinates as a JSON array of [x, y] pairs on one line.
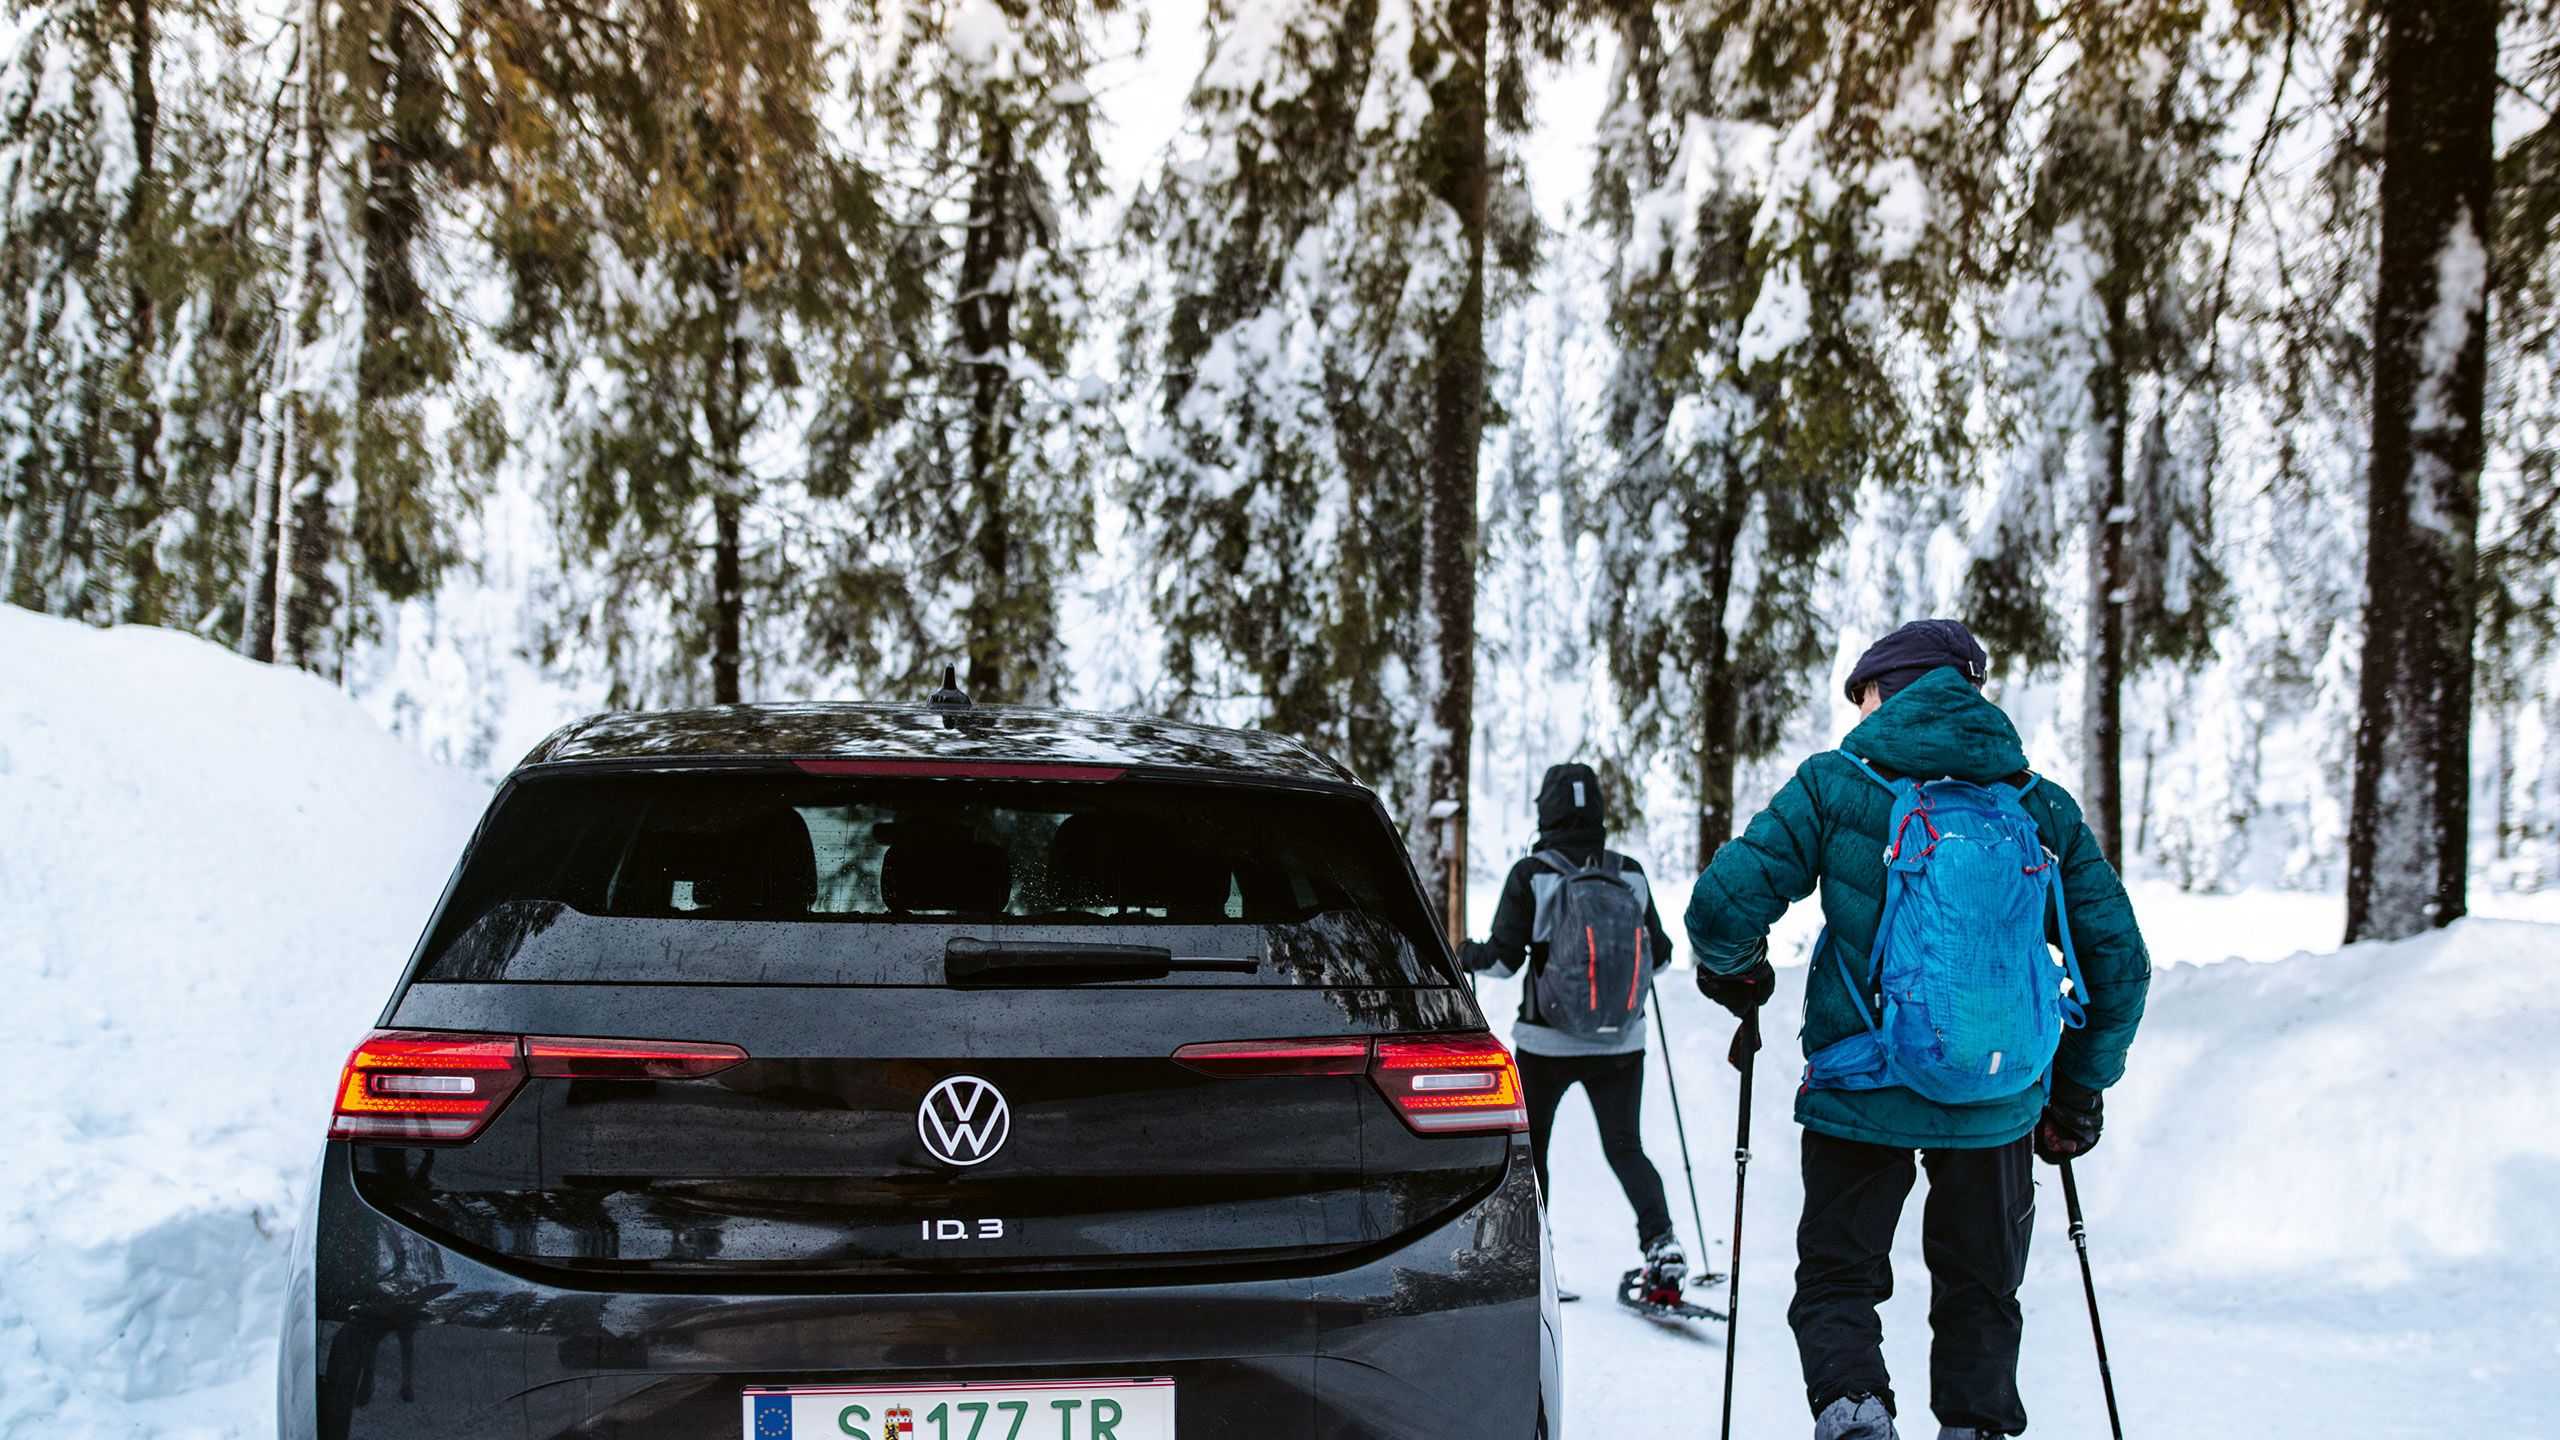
[[565, 1058], [1276, 1057], [1441, 1085], [1460, 1085], [423, 1085]]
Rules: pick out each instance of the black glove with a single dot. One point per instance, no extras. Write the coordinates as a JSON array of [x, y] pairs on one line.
[[1746, 1043], [1742, 992], [2071, 1122]]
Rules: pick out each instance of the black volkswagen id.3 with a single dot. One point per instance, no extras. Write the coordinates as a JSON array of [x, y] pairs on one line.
[[925, 1073]]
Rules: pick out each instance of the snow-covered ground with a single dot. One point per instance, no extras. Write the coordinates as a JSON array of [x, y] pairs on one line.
[[2322, 1209]]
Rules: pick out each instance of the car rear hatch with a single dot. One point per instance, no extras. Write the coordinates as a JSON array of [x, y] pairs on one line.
[[751, 1026]]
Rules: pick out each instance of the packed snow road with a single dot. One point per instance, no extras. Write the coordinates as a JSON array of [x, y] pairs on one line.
[[2321, 1208]]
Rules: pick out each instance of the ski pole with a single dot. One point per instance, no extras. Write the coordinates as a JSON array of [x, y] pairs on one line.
[[2089, 1286], [1744, 1055], [1697, 1222]]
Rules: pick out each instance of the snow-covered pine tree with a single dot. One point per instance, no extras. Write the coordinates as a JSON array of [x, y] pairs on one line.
[[418, 438], [74, 124], [2114, 160], [1768, 221], [2408, 840], [128, 251], [1309, 352], [2519, 650], [296, 476], [368, 446], [2288, 372], [1546, 354], [972, 469], [692, 239]]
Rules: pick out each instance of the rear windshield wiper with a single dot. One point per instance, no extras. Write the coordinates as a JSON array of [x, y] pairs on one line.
[[966, 959]]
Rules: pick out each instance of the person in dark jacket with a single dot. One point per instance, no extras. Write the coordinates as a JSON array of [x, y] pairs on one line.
[[1573, 822], [1923, 716]]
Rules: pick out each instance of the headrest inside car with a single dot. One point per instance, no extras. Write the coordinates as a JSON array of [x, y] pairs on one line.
[[946, 872], [1109, 863], [753, 865]]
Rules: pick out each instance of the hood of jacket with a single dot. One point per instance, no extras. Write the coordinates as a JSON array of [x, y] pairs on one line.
[[1569, 807], [1939, 727]]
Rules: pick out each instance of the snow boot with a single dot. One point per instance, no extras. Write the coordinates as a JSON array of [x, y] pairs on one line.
[[1855, 1417], [1967, 1432], [1666, 1269]]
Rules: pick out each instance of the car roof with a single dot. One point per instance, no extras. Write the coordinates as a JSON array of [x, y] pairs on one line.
[[917, 732]]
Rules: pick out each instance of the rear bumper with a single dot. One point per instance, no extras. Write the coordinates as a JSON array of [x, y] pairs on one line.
[[391, 1334]]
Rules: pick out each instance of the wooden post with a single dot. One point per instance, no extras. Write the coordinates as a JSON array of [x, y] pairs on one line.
[[1457, 848]]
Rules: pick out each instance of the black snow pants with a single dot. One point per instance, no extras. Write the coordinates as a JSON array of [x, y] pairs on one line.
[[1973, 1232], [1615, 1084]]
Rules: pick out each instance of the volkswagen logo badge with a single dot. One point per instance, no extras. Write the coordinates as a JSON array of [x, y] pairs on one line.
[[963, 1121]]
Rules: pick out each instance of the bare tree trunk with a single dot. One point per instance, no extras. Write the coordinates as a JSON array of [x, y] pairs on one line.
[[2545, 811], [2110, 584], [142, 321], [258, 592], [2502, 831], [2142, 812], [986, 344], [2408, 836], [13, 549], [301, 515], [306, 611], [1456, 139], [727, 600], [284, 485], [725, 419], [1719, 688]]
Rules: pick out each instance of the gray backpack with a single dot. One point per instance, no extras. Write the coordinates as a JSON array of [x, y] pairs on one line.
[[1598, 955]]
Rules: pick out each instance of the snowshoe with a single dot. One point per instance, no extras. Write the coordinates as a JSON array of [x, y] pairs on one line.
[[1653, 1288], [1656, 1303]]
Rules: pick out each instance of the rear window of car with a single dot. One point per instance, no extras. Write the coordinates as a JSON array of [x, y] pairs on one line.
[[743, 876]]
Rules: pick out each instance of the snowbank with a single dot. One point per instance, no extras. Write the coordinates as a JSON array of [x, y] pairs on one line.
[[210, 872], [2380, 1112]]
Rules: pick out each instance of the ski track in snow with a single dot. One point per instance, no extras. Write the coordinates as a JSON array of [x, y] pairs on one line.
[[2321, 1209]]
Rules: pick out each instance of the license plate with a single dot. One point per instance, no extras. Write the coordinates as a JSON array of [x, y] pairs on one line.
[[1022, 1410]]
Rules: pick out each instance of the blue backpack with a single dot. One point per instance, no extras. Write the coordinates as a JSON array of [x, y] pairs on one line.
[[1963, 1000]]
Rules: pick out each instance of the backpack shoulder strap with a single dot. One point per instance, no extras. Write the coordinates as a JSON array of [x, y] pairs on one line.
[[2075, 1012], [1606, 865], [1870, 772]]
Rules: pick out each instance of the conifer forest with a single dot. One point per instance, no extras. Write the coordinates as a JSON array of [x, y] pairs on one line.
[[1460, 385]]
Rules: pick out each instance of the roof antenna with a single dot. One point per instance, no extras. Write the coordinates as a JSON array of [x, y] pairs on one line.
[[950, 699]]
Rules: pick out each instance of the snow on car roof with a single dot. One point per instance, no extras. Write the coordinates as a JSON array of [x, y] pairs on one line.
[[900, 732]]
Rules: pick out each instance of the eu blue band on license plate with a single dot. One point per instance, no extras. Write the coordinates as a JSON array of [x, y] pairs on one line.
[[958, 1410]]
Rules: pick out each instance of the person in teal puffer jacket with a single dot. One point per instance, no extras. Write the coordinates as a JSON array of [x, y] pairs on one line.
[[1924, 717]]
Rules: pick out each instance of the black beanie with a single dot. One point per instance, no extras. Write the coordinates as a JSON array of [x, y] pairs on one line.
[[1569, 802], [1914, 651]]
